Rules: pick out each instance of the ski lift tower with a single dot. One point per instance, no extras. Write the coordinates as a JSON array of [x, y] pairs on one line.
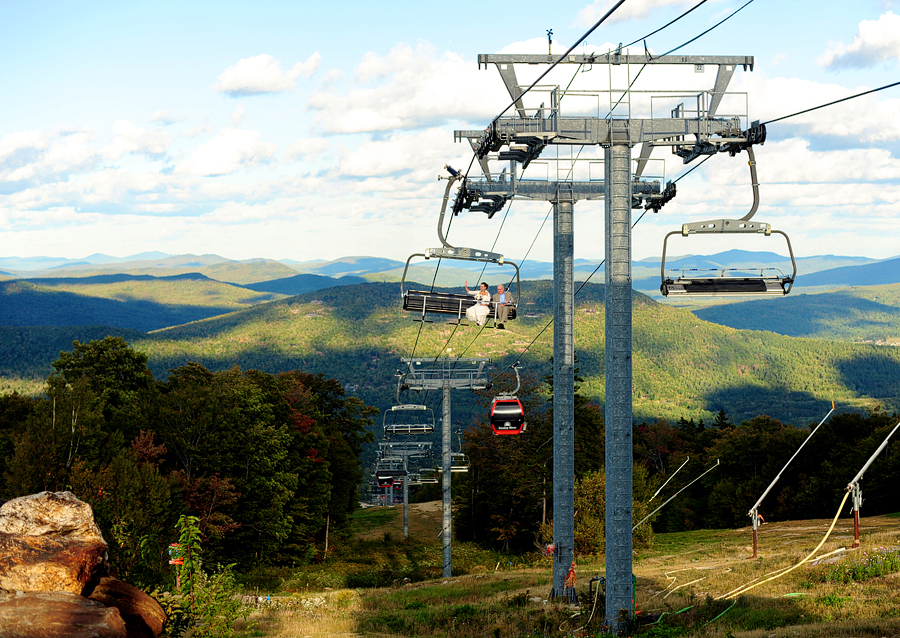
[[445, 374], [690, 131], [408, 451]]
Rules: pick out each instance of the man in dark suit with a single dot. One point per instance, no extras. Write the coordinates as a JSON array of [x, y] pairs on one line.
[[500, 300]]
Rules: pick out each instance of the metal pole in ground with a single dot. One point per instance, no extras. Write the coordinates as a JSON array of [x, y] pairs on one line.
[[563, 397], [619, 587], [445, 464], [405, 502]]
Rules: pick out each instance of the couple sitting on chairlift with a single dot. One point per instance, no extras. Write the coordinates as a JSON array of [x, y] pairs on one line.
[[483, 300]]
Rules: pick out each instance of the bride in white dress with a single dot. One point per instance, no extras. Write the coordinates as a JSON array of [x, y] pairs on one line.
[[482, 308]]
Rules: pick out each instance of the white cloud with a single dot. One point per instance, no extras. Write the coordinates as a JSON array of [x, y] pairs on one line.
[[876, 41], [44, 155], [771, 98], [633, 9], [237, 116], [263, 74], [227, 152], [164, 117], [422, 154], [130, 138], [409, 88], [306, 146]]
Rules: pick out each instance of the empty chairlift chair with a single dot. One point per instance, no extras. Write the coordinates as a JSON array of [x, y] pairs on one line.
[[388, 470], [408, 419], [459, 462], [728, 281]]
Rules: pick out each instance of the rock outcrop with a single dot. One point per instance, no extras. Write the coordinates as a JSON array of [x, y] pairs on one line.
[[143, 616], [57, 615], [52, 555], [50, 542], [50, 514]]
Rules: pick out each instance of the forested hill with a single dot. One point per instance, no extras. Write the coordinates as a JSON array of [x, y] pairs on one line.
[[862, 313], [683, 366]]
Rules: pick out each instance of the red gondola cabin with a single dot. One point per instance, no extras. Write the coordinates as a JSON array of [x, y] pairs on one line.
[[507, 416]]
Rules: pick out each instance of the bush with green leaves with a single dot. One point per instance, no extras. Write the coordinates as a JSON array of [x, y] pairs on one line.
[[209, 601]]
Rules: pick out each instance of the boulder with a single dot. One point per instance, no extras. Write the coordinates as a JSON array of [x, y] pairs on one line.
[[50, 542], [43, 563], [50, 514], [143, 616], [57, 615]]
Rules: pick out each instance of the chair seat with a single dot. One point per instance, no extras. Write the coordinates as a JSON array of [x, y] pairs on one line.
[[447, 303]]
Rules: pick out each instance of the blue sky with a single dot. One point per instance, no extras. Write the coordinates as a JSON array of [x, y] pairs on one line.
[[317, 130]]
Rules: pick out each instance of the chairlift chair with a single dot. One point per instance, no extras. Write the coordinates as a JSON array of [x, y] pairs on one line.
[[459, 462], [423, 302], [428, 475], [408, 419], [729, 281], [388, 469], [507, 413]]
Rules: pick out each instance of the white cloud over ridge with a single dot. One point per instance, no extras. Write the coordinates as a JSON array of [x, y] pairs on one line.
[[406, 89], [875, 41], [33, 156], [262, 74], [130, 138], [230, 150]]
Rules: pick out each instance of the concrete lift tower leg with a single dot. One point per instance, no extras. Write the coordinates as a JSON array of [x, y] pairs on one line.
[[563, 397], [619, 588], [446, 532]]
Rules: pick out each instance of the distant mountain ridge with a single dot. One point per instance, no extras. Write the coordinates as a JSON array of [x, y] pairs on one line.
[[874, 274], [814, 271]]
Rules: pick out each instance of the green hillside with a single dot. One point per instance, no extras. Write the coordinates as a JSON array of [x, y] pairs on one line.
[[683, 366], [861, 313], [137, 302], [26, 353]]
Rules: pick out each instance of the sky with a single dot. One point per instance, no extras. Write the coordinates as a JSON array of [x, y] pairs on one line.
[[306, 131]]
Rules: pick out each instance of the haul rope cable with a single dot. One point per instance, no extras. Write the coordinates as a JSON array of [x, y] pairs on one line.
[[506, 214], [620, 99], [652, 33]]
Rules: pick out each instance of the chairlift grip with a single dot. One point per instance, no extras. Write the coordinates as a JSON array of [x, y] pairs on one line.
[[755, 184]]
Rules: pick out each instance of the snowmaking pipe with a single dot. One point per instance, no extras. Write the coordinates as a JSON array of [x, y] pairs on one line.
[[754, 513], [745, 588], [676, 494], [656, 493]]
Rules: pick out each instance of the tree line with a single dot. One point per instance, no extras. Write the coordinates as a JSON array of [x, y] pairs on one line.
[[266, 462], [505, 500]]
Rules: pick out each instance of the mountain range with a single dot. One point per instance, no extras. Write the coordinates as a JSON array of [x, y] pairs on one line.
[[820, 270], [265, 314]]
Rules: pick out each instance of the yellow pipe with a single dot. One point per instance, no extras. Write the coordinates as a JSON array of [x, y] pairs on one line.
[[748, 587]]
